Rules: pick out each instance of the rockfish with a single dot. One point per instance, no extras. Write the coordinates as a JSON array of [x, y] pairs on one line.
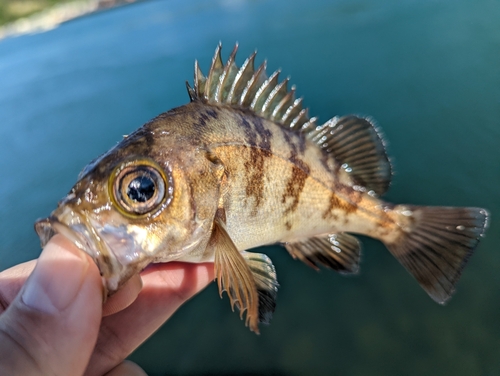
[[243, 165]]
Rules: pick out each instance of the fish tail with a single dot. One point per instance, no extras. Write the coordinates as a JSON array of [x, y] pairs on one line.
[[436, 243]]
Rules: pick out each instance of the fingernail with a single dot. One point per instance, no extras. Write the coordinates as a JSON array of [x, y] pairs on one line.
[[57, 277]]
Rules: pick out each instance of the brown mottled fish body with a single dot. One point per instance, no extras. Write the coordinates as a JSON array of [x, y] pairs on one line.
[[276, 181], [242, 165]]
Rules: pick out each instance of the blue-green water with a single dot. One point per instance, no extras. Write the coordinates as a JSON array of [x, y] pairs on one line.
[[428, 71]]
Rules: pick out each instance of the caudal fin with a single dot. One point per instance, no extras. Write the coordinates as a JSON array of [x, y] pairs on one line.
[[436, 243]]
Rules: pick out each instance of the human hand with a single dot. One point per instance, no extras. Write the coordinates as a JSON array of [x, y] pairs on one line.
[[52, 322]]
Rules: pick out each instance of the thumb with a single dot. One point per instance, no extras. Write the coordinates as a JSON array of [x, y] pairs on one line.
[[51, 326]]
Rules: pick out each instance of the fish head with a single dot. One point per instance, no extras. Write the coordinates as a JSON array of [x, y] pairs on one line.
[[132, 206]]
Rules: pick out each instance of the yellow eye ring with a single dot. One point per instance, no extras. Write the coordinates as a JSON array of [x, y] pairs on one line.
[[138, 187]]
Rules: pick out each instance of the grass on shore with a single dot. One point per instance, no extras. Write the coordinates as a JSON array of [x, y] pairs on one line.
[[11, 10]]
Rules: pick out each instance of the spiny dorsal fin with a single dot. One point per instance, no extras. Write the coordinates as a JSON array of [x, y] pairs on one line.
[[356, 143], [340, 252], [353, 141], [250, 88]]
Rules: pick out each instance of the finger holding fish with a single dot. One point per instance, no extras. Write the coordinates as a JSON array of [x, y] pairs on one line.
[[13, 279], [38, 338]]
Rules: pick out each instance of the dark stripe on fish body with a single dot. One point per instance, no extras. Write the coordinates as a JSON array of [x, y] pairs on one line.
[[302, 142], [250, 135], [259, 140], [255, 170], [300, 172], [336, 203], [265, 134], [202, 120], [289, 142], [295, 186], [296, 141], [286, 136], [212, 113]]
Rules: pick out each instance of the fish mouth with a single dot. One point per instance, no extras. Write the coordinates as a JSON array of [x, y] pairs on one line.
[[46, 228], [105, 244]]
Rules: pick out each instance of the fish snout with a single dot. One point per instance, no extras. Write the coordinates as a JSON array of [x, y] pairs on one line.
[[116, 250]]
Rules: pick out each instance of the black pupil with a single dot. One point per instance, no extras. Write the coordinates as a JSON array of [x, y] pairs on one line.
[[141, 189]]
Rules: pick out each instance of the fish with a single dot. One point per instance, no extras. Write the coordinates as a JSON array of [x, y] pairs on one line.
[[243, 165]]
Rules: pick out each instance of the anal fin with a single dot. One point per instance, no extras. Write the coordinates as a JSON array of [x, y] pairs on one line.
[[340, 252], [264, 275], [235, 276]]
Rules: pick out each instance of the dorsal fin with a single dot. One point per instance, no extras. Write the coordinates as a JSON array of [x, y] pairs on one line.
[[353, 141], [356, 143], [250, 88]]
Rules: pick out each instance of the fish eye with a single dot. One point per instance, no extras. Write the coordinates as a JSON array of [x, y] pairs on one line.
[[139, 188]]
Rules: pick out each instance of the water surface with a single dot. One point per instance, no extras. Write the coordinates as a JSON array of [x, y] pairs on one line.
[[427, 71]]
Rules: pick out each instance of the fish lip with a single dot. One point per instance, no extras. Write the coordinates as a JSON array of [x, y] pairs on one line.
[[84, 237], [46, 228]]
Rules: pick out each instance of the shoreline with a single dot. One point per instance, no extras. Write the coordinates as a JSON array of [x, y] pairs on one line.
[[54, 16]]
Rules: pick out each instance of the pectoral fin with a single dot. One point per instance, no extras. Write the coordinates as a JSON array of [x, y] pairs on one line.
[[234, 276], [340, 252]]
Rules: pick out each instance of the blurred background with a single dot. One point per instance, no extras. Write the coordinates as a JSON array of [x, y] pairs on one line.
[[426, 70]]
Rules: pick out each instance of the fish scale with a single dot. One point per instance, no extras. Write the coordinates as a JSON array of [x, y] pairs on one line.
[[240, 166]]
